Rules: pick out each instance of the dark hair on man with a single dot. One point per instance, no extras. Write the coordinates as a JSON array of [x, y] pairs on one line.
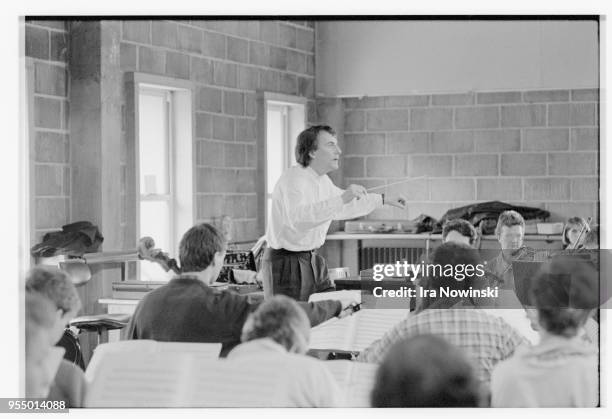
[[459, 256], [564, 292], [198, 246], [509, 218], [461, 226], [281, 319], [307, 142], [425, 371], [54, 284]]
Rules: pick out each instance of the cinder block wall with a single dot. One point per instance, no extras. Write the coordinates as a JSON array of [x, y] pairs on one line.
[[47, 46], [537, 148], [228, 61]]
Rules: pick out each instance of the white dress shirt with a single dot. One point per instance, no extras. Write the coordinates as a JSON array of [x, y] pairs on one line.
[[304, 204], [305, 381]]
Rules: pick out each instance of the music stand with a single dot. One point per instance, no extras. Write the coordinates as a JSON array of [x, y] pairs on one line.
[[524, 271]]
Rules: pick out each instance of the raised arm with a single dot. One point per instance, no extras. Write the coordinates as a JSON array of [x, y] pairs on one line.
[[320, 311], [359, 206]]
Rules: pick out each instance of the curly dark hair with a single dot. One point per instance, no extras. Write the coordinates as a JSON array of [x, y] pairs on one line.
[[198, 247], [425, 371], [455, 254], [307, 142], [461, 226]]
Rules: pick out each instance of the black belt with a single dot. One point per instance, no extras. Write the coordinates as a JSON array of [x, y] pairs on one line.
[[285, 252]]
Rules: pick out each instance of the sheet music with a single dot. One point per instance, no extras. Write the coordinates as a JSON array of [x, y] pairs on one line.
[[334, 334], [356, 332], [236, 383], [356, 379], [345, 296], [139, 380], [170, 379], [199, 351], [373, 324]]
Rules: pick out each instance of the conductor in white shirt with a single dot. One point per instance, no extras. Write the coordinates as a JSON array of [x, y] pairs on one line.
[[304, 203]]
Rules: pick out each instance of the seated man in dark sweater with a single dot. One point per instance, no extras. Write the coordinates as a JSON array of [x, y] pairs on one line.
[[187, 309]]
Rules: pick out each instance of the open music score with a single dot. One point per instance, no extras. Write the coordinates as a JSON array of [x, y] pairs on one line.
[[186, 380], [356, 332], [199, 351]]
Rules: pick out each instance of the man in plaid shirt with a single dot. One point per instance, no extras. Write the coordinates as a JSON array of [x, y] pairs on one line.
[[485, 338]]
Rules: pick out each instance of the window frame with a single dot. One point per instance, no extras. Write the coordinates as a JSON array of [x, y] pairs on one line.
[[264, 100], [182, 148], [170, 197]]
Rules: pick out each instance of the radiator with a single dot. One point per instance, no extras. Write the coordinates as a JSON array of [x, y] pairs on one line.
[[369, 256]]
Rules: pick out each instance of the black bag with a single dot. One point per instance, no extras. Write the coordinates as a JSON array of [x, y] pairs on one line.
[[73, 240], [70, 342], [487, 213]]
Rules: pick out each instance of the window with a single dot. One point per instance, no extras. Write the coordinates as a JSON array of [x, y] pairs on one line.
[[164, 169], [155, 142], [285, 119]]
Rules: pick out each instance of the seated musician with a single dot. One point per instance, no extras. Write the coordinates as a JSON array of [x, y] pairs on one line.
[[187, 309], [277, 334], [425, 371], [485, 338], [561, 371], [39, 313], [510, 232], [459, 231], [574, 233], [56, 286], [589, 332]]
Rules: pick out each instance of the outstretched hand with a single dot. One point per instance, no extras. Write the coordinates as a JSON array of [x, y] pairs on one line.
[[348, 307], [398, 201]]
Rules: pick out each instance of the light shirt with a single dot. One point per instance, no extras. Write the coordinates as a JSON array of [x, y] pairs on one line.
[[485, 339], [304, 204], [559, 372], [306, 381]]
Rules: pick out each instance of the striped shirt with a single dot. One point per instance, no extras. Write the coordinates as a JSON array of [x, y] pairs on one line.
[[486, 339]]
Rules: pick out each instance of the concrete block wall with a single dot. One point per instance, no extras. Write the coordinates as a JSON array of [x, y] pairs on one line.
[[47, 46], [536, 148], [228, 61]]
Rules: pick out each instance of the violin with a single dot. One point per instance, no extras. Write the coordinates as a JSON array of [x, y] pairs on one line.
[[585, 228], [147, 251]]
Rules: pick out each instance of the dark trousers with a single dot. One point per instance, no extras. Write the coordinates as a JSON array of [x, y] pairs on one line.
[[295, 274]]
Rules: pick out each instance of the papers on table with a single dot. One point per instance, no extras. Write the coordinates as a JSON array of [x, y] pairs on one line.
[[344, 296], [356, 380], [165, 379], [200, 351], [356, 332]]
